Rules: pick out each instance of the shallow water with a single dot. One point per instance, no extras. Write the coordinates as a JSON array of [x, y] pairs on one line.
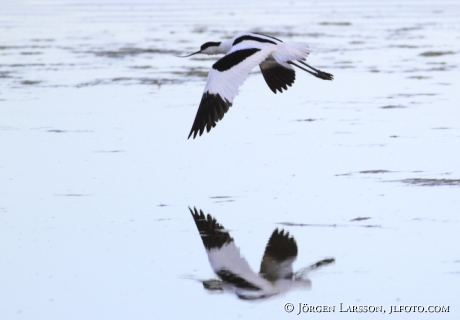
[[97, 174]]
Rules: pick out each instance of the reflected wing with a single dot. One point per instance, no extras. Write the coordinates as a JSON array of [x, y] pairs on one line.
[[213, 235], [224, 79], [225, 257], [277, 76], [280, 253]]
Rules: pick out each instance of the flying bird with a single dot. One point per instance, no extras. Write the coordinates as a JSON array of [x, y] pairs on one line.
[[276, 273], [242, 53]]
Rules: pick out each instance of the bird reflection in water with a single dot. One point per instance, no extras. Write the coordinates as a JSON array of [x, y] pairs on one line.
[[276, 274]]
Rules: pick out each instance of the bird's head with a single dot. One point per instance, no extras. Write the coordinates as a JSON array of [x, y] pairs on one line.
[[210, 48], [207, 48]]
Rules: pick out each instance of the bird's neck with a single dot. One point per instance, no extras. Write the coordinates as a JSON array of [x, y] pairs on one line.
[[225, 46]]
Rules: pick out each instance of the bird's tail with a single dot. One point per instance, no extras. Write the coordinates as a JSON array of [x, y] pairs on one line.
[[291, 52]]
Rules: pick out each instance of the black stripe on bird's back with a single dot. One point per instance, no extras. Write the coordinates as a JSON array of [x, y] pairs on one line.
[[234, 58], [212, 109], [249, 37], [212, 233], [268, 36], [236, 280], [276, 76]]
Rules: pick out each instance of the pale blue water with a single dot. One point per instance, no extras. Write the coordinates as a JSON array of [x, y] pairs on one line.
[[97, 174]]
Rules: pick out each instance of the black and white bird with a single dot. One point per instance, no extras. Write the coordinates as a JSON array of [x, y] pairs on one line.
[[242, 54], [276, 274]]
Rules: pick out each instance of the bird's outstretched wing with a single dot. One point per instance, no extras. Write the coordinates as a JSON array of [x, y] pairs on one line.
[[224, 79], [280, 253], [213, 234], [225, 257], [277, 76]]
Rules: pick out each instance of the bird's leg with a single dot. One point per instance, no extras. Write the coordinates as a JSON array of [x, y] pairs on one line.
[[318, 73], [321, 74], [312, 73]]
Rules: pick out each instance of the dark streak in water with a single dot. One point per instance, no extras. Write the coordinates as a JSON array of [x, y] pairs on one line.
[[360, 219], [374, 171], [408, 95], [141, 67], [5, 74], [418, 77], [22, 65], [431, 182], [30, 82], [436, 53], [42, 40], [30, 53], [408, 29], [391, 106], [291, 224], [335, 23], [193, 72], [403, 46], [128, 80], [64, 131], [305, 120], [23, 47], [125, 52], [343, 174]]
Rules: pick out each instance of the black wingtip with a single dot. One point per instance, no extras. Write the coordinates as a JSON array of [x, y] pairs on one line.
[[276, 76], [212, 109], [190, 134], [281, 245], [213, 234]]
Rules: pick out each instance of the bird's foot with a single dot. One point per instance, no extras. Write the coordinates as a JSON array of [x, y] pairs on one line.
[[324, 75]]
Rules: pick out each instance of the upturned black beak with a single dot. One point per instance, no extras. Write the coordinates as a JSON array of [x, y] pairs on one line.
[[189, 55]]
